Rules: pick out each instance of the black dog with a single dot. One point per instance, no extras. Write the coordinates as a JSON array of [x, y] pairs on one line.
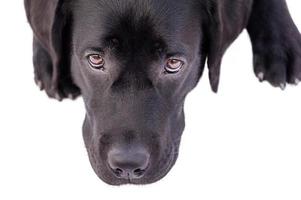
[[134, 62]]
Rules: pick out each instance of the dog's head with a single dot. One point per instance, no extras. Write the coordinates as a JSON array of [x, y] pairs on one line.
[[134, 62]]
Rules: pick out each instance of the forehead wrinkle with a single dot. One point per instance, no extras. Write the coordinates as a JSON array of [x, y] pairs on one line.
[[164, 20], [159, 11]]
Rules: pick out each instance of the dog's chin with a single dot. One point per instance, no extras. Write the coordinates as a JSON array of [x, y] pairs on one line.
[[155, 174]]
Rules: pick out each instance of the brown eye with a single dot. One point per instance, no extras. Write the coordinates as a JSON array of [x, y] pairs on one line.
[[174, 65], [96, 61]]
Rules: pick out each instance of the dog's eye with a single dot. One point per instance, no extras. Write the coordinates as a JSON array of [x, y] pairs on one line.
[[174, 65], [96, 61]]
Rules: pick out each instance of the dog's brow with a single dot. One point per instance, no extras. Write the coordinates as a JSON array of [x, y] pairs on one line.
[[91, 50], [82, 48], [176, 54]]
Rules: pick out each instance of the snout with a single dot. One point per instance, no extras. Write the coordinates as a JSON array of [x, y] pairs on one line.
[[123, 155], [128, 162]]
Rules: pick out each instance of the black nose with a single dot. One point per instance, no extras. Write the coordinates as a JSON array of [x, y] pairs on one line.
[[129, 163]]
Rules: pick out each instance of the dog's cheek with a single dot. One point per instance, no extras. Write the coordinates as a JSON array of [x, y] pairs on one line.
[[87, 133]]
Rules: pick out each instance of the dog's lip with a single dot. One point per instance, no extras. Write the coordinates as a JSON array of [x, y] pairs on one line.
[[173, 157]]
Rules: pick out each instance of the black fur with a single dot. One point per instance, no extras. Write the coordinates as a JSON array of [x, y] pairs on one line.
[[133, 103]]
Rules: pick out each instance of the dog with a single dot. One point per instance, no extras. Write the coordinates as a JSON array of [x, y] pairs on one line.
[[134, 62]]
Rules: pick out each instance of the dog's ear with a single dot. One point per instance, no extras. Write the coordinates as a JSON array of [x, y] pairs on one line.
[[214, 37], [49, 22], [220, 27]]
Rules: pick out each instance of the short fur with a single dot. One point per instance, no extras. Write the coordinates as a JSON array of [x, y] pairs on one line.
[[133, 102]]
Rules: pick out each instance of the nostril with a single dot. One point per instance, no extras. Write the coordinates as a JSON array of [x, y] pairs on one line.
[[139, 172], [118, 172]]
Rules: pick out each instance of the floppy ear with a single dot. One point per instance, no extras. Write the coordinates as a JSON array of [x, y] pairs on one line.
[[49, 23], [215, 45], [221, 29]]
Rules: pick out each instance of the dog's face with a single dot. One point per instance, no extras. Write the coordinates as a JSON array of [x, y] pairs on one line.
[[134, 62]]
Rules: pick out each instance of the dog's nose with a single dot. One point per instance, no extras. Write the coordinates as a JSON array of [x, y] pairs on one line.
[[128, 164]]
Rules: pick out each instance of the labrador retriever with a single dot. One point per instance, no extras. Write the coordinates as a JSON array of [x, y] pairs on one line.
[[134, 62]]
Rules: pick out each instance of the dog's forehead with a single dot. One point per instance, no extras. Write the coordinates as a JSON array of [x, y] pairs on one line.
[[164, 18], [158, 8]]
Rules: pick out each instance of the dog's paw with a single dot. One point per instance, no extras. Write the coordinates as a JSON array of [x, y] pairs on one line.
[[43, 73], [45, 84], [66, 89], [60, 92], [279, 62], [57, 85]]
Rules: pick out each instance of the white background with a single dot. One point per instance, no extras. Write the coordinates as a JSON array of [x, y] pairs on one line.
[[243, 143]]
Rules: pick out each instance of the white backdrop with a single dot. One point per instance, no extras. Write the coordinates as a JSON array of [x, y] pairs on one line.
[[243, 143]]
